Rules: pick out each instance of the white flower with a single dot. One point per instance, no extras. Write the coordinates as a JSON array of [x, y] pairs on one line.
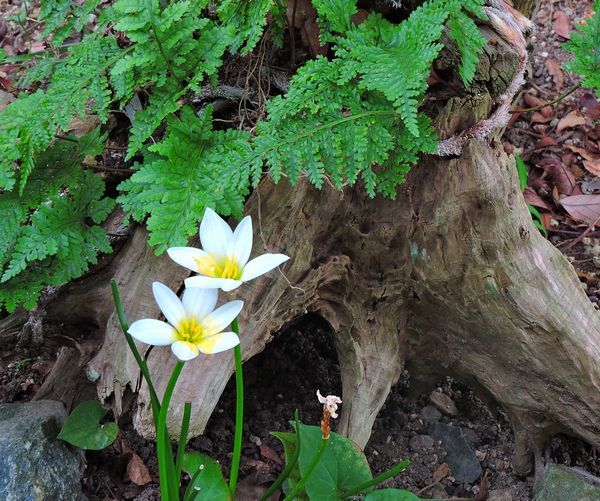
[[223, 262], [330, 402], [193, 325]]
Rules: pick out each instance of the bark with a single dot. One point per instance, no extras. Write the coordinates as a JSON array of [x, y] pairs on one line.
[[527, 7]]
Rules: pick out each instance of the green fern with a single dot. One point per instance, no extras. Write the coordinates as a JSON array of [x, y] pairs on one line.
[[248, 19], [28, 125], [52, 235], [585, 47], [63, 17], [173, 50], [192, 168], [335, 16]]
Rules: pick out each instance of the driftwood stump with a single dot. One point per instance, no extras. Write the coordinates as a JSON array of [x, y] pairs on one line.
[[451, 278]]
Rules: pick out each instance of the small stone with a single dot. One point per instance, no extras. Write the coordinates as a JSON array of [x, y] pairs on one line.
[[461, 458], [471, 436], [481, 455], [46, 468], [421, 442], [559, 483], [444, 403], [255, 440], [500, 495], [441, 472], [431, 414]]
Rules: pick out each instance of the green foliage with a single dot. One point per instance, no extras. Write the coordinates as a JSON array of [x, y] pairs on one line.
[[192, 168], [77, 85], [173, 50], [391, 495], [585, 47], [83, 429], [206, 477], [63, 17], [334, 16], [248, 20], [537, 217], [342, 467], [51, 235], [352, 117]]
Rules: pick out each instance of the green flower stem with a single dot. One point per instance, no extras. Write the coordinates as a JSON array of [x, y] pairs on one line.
[[169, 485], [289, 467], [313, 464], [378, 479], [239, 413], [185, 426], [154, 403]]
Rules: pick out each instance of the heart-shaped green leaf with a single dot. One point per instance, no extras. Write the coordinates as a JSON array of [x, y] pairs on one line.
[[391, 495], [209, 484], [83, 429], [343, 464]]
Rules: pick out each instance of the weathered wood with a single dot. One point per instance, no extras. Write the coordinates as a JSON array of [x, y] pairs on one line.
[[527, 7]]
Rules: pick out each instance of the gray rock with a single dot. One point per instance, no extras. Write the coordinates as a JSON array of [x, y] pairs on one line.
[[421, 442], [34, 464], [430, 413], [500, 495], [559, 483], [461, 458], [444, 403]]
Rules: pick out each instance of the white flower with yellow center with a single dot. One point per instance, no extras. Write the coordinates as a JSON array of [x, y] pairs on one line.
[[193, 326], [222, 263]]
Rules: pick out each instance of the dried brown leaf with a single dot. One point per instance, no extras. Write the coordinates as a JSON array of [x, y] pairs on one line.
[[562, 25], [592, 166], [562, 178], [581, 151], [539, 117], [557, 74], [572, 119], [268, 453], [532, 101], [545, 142], [532, 198], [584, 208], [137, 471]]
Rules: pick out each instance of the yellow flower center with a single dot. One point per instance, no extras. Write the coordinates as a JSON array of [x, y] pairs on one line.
[[223, 268], [201, 334], [191, 330]]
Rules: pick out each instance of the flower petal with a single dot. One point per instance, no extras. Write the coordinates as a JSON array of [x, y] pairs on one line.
[[261, 265], [199, 302], [215, 234], [169, 303], [222, 317], [226, 284], [186, 256], [241, 244], [218, 343], [152, 331], [184, 350]]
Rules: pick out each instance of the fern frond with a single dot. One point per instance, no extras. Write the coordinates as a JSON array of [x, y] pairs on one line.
[[174, 49], [53, 233], [334, 16], [192, 168], [247, 20], [585, 47], [29, 124]]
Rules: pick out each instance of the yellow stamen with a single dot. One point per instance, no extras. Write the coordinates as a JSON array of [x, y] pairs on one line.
[[200, 334], [210, 267]]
